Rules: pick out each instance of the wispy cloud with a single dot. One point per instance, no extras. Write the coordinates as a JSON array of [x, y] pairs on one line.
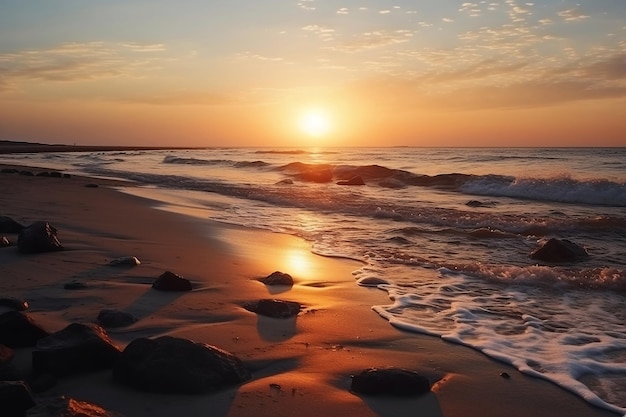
[[573, 15]]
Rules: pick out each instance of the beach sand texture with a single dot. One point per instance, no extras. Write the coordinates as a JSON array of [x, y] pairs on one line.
[[301, 366]]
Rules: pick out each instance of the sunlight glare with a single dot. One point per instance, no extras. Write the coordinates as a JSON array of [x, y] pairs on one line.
[[315, 123]]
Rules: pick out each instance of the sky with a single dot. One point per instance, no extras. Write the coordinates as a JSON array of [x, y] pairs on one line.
[[305, 73]]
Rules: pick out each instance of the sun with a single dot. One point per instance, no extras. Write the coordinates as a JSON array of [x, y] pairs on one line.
[[315, 123]]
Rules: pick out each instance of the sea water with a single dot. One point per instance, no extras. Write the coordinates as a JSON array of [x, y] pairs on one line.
[[446, 233]]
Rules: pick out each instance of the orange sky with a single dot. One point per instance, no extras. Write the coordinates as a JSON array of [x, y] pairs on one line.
[[502, 73]]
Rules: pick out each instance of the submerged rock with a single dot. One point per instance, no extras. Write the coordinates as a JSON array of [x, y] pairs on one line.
[[38, 237], [169, 281], [75, 349], [173, 365], [556, 250], [390, 381]]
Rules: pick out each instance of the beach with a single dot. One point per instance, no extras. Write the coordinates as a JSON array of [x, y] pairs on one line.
[[300, 366]]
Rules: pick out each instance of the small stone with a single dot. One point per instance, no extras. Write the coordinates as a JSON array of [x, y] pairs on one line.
[[75, 285], [505, 375], [274, 308], [169, 281], [115, 318]]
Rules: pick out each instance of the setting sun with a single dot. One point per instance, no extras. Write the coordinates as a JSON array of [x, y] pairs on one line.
[[315, 123]]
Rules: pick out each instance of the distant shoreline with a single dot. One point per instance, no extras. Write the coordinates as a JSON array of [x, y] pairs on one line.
[[7, 146]]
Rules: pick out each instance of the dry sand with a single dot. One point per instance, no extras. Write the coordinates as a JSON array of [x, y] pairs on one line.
[[311, 357]]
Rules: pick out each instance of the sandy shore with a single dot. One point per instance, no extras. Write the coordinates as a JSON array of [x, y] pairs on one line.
[[311, 357]]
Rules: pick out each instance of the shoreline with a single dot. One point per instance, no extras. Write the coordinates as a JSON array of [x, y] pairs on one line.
[[335, 336]]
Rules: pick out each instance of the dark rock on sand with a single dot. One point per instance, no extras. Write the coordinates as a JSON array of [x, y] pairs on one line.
[[27, 173], [38, 237], [110, 318], [274, 308], [169, 281], [278, 278], [43, 174], [6, 355], [557, 250], [125, 261], [285, 182], [15, 398], [390, 381], [19, 330], [92, 185], [75, 285], [77, 348], [56, 174], [14, 303], [173, 365], [356, 180], [8, 225], [4, 242], [69, 407], [371, 282], [474, 203]]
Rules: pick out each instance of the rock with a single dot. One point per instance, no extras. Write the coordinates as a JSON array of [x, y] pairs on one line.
[[75, 285], [390, 381], [474, 203], [169, 281], [92, 185], [6, 355], [4, 242], [356, 180], [14, 303], [67, 176], [285, 182], [27, 173], [56, 174], [115, 318], [75, 349], [556, 250], [15, 398], [43, 174], [19, 330], [69, 407], [371, 281], [173, 365], [274, 308], [9, 171], [38, 237], [278, 278], [8, 225], [125, 261]]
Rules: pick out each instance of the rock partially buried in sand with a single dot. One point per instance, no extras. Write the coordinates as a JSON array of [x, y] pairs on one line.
[[15, 398], [16, 304], [173, 365], [556, 250], [19, 330], [371, 282], [390, 381], [75, 285], [278, 278], [8, 225], [169, 281], [69, 407], [274, 308], [110, 318], [38, 237], [125, 261], [77, 348]]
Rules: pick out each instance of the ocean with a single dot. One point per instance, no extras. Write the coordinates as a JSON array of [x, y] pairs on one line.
[[447, 233]]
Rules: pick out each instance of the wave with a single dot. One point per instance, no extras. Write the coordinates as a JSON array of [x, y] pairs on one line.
[[171, 159]]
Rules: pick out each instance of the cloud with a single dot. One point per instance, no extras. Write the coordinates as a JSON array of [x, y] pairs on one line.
[[70, 62], [573, 15], [307, 4], [374, 39], [181, 99]]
